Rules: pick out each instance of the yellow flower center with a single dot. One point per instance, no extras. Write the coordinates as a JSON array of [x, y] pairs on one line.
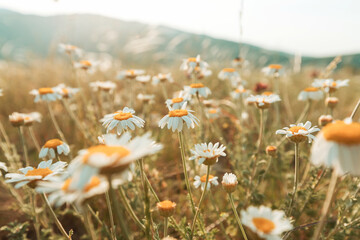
[[311, 89], [212, 111], [197, 85], [123, 116], [296, 129], [43, 91], [85, 63], [238, 90], [264, 225], [109, 151], [275, 66], [177, 100], [271, 148], [178, 113], [341, 132], [166, 205], [53, 143], [267, 93], [43, 172], [333, 84], [94, 182], [192, 59], [203, 178], [228, 70]]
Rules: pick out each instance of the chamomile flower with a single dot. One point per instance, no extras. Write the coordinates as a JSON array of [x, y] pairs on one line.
[[143, 79], [177, 102], [16, 119], [228, 74], [239, 62], [240, 92], [299, 133], [263, 101], [30, 118], [201, 73], [106, 86], [200, 181], [45, 94], [29, 175], [54, 147], [161, 78], [146, 98], [273, 70], [130, 74], [122, 120], [113, 157], [197, 89], [69, 49], [311, 93], [207, 154], [329, 85], [338, 146], [266, 223], [325, 119], [84, 64], [213, 113], [188, 65], [65, 91], [176, 118]]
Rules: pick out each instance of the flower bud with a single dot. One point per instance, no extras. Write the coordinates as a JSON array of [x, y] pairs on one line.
[[331, 102], [229, 182], [166, 208], [271, 151], [325, 119]]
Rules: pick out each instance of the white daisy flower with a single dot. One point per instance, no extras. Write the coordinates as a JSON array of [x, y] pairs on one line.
[[176, 118], [338, 146], [330, 85], [69, 49], [239, 62], [263, 101], [197, 89], [45, 94], [228, 74], [122, 120], [84, 64], [188, 65], [229, 182], [16, 119], [240, 91], [299, 133], [162, 77], [213, 113], [146, 98], [54, 147], [30, 118], [113, 157], [66, 92], [177, 102], [106, 86], [143, 79], [207, 154], [29, 175], [202, 72], [200, 181], [130, 74], [310, 93], [273, 70], [266, 223]]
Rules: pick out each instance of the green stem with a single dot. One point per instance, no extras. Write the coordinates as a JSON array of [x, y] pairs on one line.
[[165, 226], [89, 225], [111, 216], [57, 222], [296, 178], [261, 130], [200, 201], [237, 217], [36, 142], [147, 200], [326, 206], [21, 133], [36, 217]]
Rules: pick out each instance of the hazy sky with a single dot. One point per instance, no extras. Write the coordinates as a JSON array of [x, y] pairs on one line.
[[309, 27]]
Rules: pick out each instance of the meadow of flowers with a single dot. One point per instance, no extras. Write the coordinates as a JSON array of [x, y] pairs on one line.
[[98, 151]]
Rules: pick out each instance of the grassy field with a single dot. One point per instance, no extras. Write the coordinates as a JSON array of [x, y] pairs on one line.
[[263, 179]]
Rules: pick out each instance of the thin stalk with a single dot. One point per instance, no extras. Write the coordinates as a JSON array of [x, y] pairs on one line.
[[57, 222], [89, 225], [355, 110], [147, 200], [56, 125], [23, 143], [3, 132], [326, 206], [261, 130], [237, 217], [120, 218], [111, 216], [36, 142], [200, 201], [296, 178], [36, 217], [165, 226], [99, 221], [183, 159], [129, 209]]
